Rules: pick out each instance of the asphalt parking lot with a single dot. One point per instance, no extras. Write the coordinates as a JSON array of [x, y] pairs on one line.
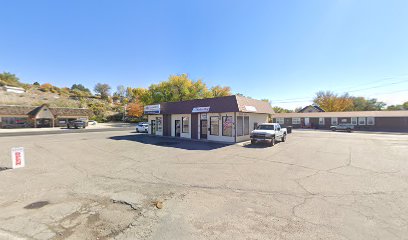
[[122, 185]]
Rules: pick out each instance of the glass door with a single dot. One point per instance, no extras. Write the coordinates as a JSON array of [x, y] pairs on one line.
[[177, 128], [153, 127], [203, 129]]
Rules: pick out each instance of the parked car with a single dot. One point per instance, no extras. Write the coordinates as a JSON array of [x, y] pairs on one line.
[[77, 124], [92, 122], [342, 127], [269, 132], [142, 127]]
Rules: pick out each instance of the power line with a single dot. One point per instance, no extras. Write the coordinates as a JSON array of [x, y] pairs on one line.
[[357, 90]]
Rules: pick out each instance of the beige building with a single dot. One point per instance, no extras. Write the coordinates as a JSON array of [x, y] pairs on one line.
[[223, 119], [41, 116]]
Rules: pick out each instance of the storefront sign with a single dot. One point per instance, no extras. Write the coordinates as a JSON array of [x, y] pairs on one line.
[[152, 109], [201, 109], [17, 157], [250, 108]]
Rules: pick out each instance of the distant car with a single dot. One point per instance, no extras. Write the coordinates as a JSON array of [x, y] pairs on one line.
[[142, 127], [342, 127], [92, 122], [76, 124]]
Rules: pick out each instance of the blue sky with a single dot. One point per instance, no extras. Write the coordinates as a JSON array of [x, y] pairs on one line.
[[281, 50]]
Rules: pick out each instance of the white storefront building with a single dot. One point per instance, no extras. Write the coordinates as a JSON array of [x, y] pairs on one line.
[[223, 119]]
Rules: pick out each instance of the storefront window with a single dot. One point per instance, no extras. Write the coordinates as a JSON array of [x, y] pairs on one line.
[[334, 121], [227, 123], [280, 120], [354, 120], [185, 123], [214, 126], [240, 126], [370, 121], [361, 121], [159, 124], [15, 121], [295, 120], [246, 125], [321, 121]]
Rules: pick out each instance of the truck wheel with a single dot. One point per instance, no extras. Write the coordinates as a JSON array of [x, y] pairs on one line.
[[284, 138], [253, 141], [272, 142]]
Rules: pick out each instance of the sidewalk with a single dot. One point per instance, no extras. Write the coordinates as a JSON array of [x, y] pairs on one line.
[[100, 127]]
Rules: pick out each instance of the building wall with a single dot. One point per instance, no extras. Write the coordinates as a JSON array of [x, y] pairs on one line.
[[380, 123], [175, 117], [220, 137], [154, 117], [254, 119], [45, 113]]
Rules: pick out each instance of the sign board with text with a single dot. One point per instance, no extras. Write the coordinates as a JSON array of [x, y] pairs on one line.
[[17, 157], [201, 109], [152, 109]]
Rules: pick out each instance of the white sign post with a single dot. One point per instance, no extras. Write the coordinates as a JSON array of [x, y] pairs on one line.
[[17, 157]]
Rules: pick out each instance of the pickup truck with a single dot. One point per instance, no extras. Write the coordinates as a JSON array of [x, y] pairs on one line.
[[268, 132], [342, 127]]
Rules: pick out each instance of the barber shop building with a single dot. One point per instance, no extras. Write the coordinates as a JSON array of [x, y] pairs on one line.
[[223, 119]]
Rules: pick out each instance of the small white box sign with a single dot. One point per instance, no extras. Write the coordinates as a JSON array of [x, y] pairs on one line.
[[17, 157]]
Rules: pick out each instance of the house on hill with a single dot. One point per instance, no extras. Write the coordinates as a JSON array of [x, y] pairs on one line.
[[13, 89]]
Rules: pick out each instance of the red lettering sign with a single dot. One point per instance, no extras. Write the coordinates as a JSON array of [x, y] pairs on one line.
[[18, 158]]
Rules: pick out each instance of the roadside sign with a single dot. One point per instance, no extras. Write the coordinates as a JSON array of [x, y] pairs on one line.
[[17, 157], [152, 109]]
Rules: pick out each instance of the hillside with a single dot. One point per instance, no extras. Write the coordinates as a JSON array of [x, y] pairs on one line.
[[35, 97]]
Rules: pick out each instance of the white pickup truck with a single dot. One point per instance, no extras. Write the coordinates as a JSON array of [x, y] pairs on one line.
[[268, 132]]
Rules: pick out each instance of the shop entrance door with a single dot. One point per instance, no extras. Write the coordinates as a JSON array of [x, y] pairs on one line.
[[153, 127], [203, 129], [177, 129]]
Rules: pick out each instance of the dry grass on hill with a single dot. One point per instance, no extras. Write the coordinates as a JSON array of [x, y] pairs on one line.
[[36, 98]]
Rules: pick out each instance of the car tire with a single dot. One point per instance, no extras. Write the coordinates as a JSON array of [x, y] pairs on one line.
[[283, 138], [253, 141], [272, 142], [137, 130], [333, 129], [348, 129]]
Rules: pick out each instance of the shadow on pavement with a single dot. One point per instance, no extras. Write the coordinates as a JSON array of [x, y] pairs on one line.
[[170, 142], [258, 145]]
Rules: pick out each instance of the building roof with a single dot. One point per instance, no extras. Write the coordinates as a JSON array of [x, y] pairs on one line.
[[402, 113], [33, 110], [217, 105], [315, 107]]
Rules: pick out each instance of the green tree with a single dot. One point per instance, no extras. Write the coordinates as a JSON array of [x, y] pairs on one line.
[[219, 91], [103, 90], [363, 104], [177, 88], [277, 109], [332, 102], [9, 79], [81, 88]]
